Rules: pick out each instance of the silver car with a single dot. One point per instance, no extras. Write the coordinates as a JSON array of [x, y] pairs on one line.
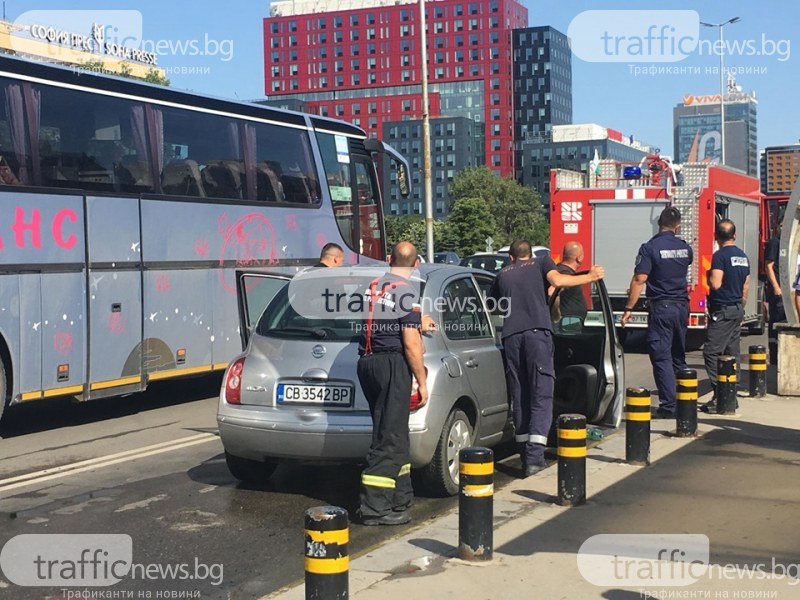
[[293, 394]]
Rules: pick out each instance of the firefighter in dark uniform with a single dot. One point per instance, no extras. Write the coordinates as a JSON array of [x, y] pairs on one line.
[[528, 342], [663, 264], [729, 282], [391, 352], [773, 293]]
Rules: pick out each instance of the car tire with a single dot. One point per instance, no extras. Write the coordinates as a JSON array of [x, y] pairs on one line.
[[695, 338], [440, 477], [249, 471]]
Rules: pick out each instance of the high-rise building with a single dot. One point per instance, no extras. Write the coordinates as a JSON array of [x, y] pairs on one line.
[[359, 60], [456, 144], [573, 147], [696, 123], [542, 84], [780, 168]]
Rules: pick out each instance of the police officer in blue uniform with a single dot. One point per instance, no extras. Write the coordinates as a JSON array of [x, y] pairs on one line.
[[528, 343], [391, 352], [662, 265], [729, 281]]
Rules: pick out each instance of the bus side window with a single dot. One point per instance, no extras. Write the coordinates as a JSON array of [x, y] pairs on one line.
[[285, 166]]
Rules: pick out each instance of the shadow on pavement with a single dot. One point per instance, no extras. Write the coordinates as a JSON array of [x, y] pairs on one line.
[[45, 415], [737, 485]]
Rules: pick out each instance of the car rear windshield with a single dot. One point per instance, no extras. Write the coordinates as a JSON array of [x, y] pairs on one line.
[[282, 320]]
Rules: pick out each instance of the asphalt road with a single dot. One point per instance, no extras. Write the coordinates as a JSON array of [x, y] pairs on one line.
[[151, 466]]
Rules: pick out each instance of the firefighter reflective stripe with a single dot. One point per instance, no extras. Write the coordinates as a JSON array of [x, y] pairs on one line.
[[532, 438], [405, 470], [377, 481]]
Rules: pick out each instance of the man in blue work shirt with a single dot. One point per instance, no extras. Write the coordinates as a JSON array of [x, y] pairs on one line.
[[528, 343], [728, 280], [662, 264]]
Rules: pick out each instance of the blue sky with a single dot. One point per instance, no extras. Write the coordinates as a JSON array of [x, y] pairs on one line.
[[230, 33]]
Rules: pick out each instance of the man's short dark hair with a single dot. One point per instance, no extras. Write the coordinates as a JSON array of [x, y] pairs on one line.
[[520, 249], [329, 249], [726, 230], [670, 217]]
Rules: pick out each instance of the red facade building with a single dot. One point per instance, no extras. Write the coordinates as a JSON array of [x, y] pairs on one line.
[[359, 61]]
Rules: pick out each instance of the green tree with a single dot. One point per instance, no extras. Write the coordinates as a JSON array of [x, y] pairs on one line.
[[517, 210], [412, 228], [471, 223]]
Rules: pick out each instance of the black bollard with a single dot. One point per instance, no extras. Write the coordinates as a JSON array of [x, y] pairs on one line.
[[475, 503], [758, 371], [571, 460], [637, 426], [327, 561], [726, 385], [686, 409]]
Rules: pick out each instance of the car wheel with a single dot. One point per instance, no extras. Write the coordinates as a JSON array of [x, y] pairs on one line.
[[440, 477], [695, 338], [249, 471]]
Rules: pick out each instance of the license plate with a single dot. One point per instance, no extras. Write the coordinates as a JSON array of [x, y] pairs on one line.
[[326, 395]]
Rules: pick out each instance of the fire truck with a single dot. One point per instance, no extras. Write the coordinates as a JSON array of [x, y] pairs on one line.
[[614, 209]]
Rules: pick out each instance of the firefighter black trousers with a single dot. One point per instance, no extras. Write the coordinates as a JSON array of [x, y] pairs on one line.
[[386, 479]]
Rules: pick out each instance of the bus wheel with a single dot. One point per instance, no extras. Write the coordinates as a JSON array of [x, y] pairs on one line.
[[3, 389]]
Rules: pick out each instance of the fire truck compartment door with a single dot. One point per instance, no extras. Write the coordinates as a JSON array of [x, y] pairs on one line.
[[620, 228]]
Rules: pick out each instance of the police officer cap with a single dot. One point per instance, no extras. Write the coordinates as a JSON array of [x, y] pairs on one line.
[[670, 217]]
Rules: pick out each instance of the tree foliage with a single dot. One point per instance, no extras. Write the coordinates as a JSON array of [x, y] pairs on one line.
[[517, 210], [98, 66], [471, 222]]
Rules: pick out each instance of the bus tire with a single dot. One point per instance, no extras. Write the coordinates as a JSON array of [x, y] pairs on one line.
[[3, 389]]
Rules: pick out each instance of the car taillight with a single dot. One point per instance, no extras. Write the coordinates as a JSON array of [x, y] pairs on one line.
[[233, 382], [414, 400]]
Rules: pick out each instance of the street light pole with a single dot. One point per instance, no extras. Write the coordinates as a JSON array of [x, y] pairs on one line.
[[426, 138], [720, 26]]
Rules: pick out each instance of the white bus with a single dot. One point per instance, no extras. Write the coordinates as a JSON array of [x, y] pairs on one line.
[[126, 208]]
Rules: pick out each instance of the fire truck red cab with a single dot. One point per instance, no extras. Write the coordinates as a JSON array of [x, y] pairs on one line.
[[615, 208]]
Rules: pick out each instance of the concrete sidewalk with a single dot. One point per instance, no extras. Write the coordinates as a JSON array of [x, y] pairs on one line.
[[737, 483]]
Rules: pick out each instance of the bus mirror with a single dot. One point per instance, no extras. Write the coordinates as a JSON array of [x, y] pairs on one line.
[[402, 178]]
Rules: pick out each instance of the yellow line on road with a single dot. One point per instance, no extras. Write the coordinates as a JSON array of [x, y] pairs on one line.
[[102, 461]]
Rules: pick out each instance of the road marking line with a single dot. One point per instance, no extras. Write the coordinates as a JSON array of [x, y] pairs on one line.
[[103, 461]]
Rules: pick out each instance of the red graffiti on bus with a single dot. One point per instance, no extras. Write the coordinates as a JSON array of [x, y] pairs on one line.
[[62, 341], [201, 248], [249, 242], [163, 284], [116, 323], [27, 229]]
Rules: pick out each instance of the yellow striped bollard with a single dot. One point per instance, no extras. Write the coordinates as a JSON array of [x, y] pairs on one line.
[[686, 409], [726, 385], [327, 561], [637, 426], [571, 460], [475, 503], [758, 371]]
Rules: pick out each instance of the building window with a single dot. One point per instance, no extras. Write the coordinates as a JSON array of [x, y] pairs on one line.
[[273, 27], [353, 20], [337, 21], [458, 25]]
